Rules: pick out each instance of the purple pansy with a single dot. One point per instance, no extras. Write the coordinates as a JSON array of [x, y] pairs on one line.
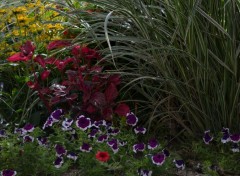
[[140, 130], [158, 159], [235, 138], [28, 128], [99, 123], [19, 131], [166, 152], [235, 148], [49, 122], [207, 138], [142, 172], [93, 133], [115, 148], [138, 147], [28, 138], [179, 164], [131, 119], [83, 123], [113, 131], [42, 141], [112, 142], [8, 173], [66, 124], [85, 147], [56, 115], [60, 150], [72, 155], [226, 135], [58, 162], [152, 144], [3, 133], [102, 138]]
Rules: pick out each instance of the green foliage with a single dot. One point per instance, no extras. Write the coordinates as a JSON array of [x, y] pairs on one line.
[[180, 59]]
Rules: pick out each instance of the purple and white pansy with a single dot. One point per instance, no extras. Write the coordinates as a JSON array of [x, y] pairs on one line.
[[42, 141], [66, 124], [235, 148], [93, 132], [49, 122], [235, 138], [207, 138], [99, 123], [113, 131], [102, 138], [60, 150], [58, 162], [140, 147], [179, 164], [28, 138], [153, 144], [85, 147], [83, 123], [140, 130], [56, 115], [158, 159], [8, 172], [72, 155], [166, 152], [144, 172], [3, 134], [131, 119], [28, 128], [226, 135]]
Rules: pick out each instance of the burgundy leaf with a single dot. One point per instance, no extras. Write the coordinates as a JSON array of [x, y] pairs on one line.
[[122, 109], [111, 93], [98, 99]]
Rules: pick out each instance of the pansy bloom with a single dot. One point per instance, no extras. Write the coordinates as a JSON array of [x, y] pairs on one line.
[[166, 152], [158, 159], [66, 124], [179, 164], [56, 115], [102, 138], [235, 138], [60, 150], [144, 172], [113, 131], [131, 119], [42, 141], [115, 148], [235, 148], [72, 155], [8, 173], [49, 122], [99, 123], [93, 133], [58, 162], [138, 147], [152, 144], [28, 128], [102, 156], [226, 135], [85, 147], [83, 123], [3, 133], [112, 142], [207, 138], [28, 138], [140, 130]]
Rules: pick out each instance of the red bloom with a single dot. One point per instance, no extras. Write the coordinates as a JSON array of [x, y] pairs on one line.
[[40, 60], [122, 109], [45, 74], [26, 53], [102, 156], [32, 85], [58, 44]]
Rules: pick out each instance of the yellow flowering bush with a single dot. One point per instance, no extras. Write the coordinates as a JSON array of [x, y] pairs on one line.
[[30, 21]]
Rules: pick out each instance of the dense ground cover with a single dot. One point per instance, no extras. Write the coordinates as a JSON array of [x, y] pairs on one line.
[[119, 87]]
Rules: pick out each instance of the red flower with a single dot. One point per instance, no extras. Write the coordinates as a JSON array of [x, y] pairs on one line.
[[122, 109], [58, 44], [26, 53], [102, 156], [40, 60], [32, 85]]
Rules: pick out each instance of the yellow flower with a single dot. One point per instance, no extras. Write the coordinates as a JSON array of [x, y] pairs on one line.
[[19, 10]]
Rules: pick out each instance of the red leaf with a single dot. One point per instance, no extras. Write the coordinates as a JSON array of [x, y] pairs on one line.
[[45, 74], [111, 93], [115, 79], [107, 113], [98, 99], [91, 109], [40, 60], [58, 44], [122, 109]]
